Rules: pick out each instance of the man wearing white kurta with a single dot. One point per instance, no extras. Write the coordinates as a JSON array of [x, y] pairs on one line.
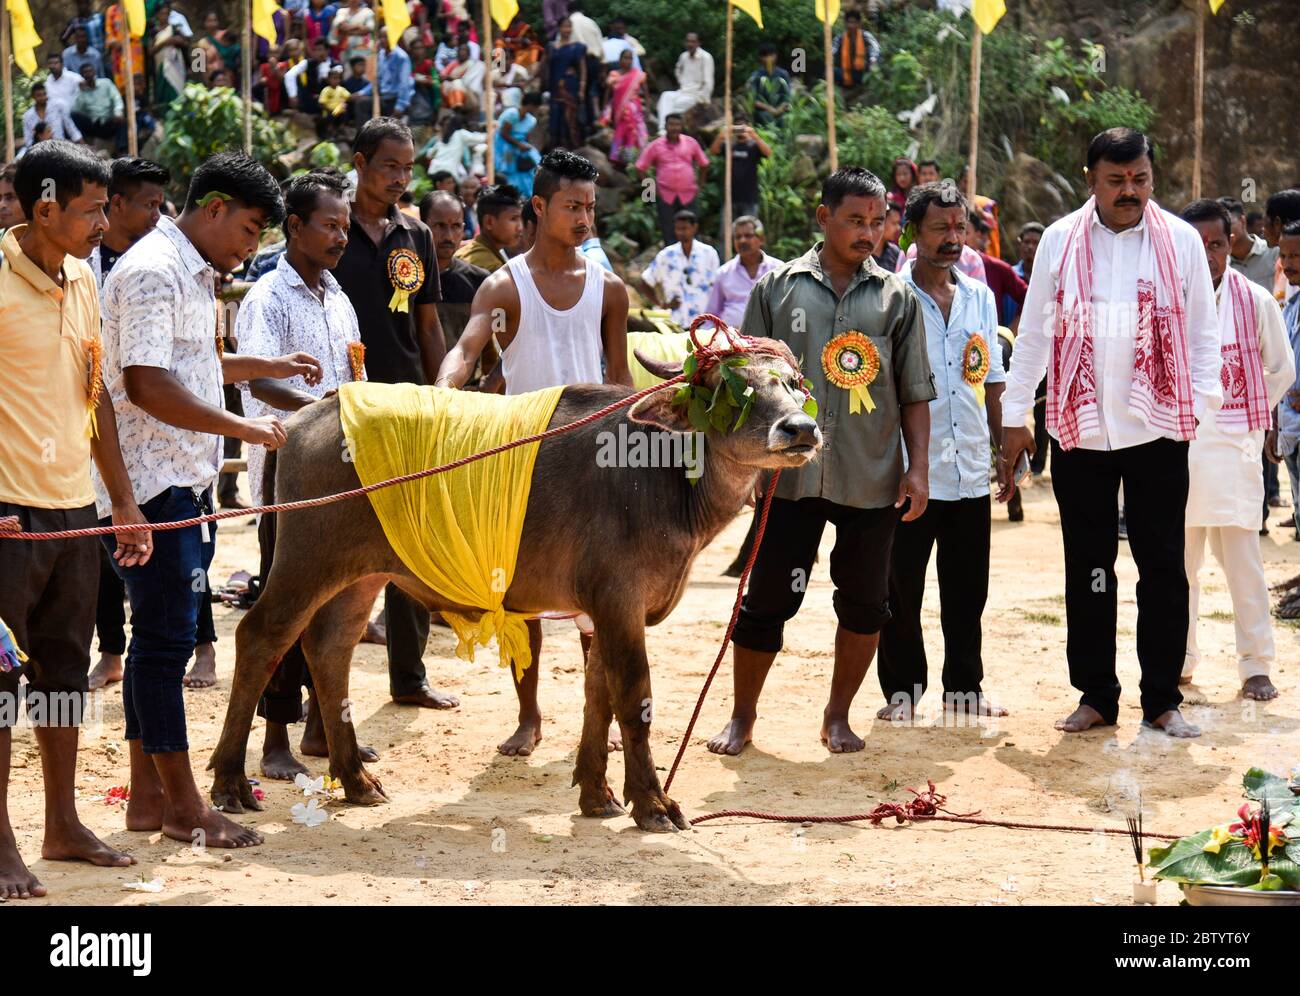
[[1226, 486], [694, 80], [1120, 316]]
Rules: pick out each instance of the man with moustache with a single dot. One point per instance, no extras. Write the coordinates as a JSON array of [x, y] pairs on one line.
[[164, 369], [563, 314], [389, 272], [54, 419], [11, 211], [861, 334], [458, 279], [298, 307], [1120, 315]]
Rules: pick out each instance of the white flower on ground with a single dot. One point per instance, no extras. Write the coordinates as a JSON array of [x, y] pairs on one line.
[[310, 814]]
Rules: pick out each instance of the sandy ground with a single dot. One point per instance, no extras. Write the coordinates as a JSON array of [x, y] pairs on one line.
[[466, 825]]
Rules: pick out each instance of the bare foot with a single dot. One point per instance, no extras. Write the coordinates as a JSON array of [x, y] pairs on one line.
[[1083, 718], [106, 672], [280, 764], [896, 712], [838, 738], [615, 736], [75, 843], [1191, 694], [16, 882], [204, 672], [735, 737], [983, 706], [523, 740], [429, 698], [375, 633], [318, 746], [210, 829], [1258, 688], [1172, 723], [145, 807]]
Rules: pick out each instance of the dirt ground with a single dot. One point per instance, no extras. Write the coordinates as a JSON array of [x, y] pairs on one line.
[[466, 825]]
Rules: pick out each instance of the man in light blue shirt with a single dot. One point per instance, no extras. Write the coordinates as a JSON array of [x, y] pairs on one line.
[[396, 81], [961, 328], [1286, 441]]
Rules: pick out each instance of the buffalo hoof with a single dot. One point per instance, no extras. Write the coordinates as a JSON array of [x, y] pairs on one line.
[[233, 794], [600, 805], [659, 815], [363, 789]]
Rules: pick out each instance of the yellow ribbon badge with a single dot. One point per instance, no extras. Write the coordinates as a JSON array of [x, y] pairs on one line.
[[852, 362], [407, 275], [975, 364]]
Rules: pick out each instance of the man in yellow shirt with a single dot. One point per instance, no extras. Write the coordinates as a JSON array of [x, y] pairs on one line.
[[54, 417]]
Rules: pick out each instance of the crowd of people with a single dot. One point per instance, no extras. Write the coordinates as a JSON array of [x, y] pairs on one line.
[[1151, 353]]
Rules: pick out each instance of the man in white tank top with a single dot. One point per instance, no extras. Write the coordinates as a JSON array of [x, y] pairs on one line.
[[555, 315]]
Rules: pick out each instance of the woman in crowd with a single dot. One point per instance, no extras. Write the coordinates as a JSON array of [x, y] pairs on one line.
[[450, 150], [626, 109], [516, 159], [352, 32], [566, 79]]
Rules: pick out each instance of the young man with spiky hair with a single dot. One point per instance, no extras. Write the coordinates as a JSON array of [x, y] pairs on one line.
[[861, 334], [53, 420], [1226, 482], [498, 208], [389, 271], [556, 315], [164, 369]]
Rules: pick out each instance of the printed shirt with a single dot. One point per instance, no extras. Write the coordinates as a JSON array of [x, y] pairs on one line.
[[160, 310], [688, 278], [44, 329], [861, 461], [280, 315], [732, 287], [959, 428], [1288, 419]]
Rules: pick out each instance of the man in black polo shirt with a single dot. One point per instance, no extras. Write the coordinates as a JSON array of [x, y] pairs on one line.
[[747, 148], [390, 273]]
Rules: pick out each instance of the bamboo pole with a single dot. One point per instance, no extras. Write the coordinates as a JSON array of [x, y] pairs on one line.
[[1198, 121], [489, 93], [976, 57], [730, 139], [128, 70], [831, 143], [8, 82], [246, 73], [376, 103]]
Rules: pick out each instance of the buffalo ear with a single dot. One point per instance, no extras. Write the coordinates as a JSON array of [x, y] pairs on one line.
[[656, 410]]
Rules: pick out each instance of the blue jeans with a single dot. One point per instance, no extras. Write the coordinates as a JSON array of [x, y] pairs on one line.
[[165, 596], [1292, 461]]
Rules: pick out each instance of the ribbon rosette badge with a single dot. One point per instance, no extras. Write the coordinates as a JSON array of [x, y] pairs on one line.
[[851, 362], [407, 274], [975, 364]]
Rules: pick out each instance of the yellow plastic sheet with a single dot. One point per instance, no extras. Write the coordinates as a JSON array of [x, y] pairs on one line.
[[459, 531], [667, 346]]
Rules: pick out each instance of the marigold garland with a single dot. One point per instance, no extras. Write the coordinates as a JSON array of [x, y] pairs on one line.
[[357, 360], [95, 385], [852, 362]]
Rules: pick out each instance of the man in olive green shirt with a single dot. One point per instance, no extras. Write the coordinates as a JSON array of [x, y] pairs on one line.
[[839, 311]]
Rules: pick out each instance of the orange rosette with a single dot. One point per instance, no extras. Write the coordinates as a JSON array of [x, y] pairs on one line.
[[851, 362], [975, 364], [406, 273]]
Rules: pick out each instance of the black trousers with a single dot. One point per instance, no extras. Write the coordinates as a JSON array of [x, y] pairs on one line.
[[859, 569], [960, 529], [407, 623], [1086, 483], [1042, 441], [281, 701], [228, 486], [110, 608], [667, 217]]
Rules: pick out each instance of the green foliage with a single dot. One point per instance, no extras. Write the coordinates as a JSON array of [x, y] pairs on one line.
[[326, 155], [202, 122], [22, 90]]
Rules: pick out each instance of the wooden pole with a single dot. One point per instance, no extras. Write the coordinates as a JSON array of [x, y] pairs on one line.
[[976, 56], [376, 104], [726, 125], [832, 145], [246, 74], [8, 82], [489, 93], [128, 70], [1198, 121]]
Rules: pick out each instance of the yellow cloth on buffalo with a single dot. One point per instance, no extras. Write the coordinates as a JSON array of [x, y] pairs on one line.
[[458, 531], [667, 346]]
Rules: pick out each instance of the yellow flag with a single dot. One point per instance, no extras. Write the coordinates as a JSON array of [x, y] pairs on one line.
[[1215, 5], [987, 13], [135, 17], [25, 38], [820, 7], [263, 26], [504, 11], [751, 8], [396, 20]]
